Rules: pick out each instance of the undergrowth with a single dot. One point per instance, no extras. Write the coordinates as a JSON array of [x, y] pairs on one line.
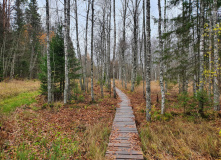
[[181, 133], [78, 130], [9, 104], [16, 87], [180, 139]]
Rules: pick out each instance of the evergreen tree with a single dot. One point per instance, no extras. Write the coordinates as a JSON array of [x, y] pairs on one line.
[[57, 67], [19, 15], [34, 22]]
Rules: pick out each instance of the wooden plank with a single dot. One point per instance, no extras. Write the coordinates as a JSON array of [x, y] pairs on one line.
[[125, 145], [126, 152], [121, 143], [127, 129], [138, 157]]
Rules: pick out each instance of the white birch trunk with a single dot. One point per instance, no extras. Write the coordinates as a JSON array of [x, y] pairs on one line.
[[114, 51], [216, 60], [148, 62], [85, 64], [201, 80], [48, 53], [66, 86], [161, 61], [135, 21], [92, 45]]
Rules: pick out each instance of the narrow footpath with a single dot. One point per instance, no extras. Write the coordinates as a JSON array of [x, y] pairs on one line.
[[124, 140]]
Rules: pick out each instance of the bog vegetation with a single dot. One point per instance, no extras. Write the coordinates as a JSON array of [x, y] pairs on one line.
[[61, 61]]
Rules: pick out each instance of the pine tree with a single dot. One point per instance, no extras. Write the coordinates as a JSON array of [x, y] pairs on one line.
[[34, 21], [57, 67]]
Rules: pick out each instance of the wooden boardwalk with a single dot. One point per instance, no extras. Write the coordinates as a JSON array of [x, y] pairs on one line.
[[124, 139]]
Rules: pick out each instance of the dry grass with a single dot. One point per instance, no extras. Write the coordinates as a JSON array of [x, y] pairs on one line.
[[180, 139], [179, 136], [15, 87], [79, 130]]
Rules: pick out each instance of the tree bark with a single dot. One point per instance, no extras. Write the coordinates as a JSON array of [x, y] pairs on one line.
[[201, 54], [108, 55], [148, 63], [135, 21], [216, 59], [66, 87], [125, 5], [78, 46], [161, 61], [92, 56], [85, 62], [48, 53], [114, 52]]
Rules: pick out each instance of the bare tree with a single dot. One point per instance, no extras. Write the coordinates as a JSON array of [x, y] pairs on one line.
[[201, 56], [144, 47], [148, 62], [48, 53], [78, 46], [66, 52], [216, 59], [135, 47], [85, 62], [114, 50], [92, 56], [161, 60], [125, 6], [108, 48]]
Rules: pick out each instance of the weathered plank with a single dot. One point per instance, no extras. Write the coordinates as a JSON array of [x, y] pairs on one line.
[[138, 157], [132, 152], [123, 141]]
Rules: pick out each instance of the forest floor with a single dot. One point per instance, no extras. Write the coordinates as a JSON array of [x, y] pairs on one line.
[[177, 135], [33, 130]]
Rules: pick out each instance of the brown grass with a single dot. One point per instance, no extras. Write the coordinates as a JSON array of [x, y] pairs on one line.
[[79, 130], [180, 136], [15, 87]]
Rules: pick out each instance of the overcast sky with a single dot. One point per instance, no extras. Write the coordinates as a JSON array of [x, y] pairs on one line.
[[82, 16]]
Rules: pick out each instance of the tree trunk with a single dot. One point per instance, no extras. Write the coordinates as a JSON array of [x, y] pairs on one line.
[[92, 56], [161, 61], [114, 50], [201, 54], [48, 53], [148, 63], [124, 44], [144, 48], [108, 55], [210, 53], [216, 59], [66, 87], [78, 46], [165, 45], [135, 20], [85, 62]]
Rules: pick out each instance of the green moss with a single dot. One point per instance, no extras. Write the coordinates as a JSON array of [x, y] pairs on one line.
[[10, 104]]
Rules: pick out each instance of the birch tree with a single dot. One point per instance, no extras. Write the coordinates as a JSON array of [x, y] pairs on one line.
[[109, 45], [148, 62], [161, 60], [92, 56], [66, 53], [125, 6], [216, 58], [201, 54], [48, 53], [78, 46], [85, 61], [114, 51], [135, 48]]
